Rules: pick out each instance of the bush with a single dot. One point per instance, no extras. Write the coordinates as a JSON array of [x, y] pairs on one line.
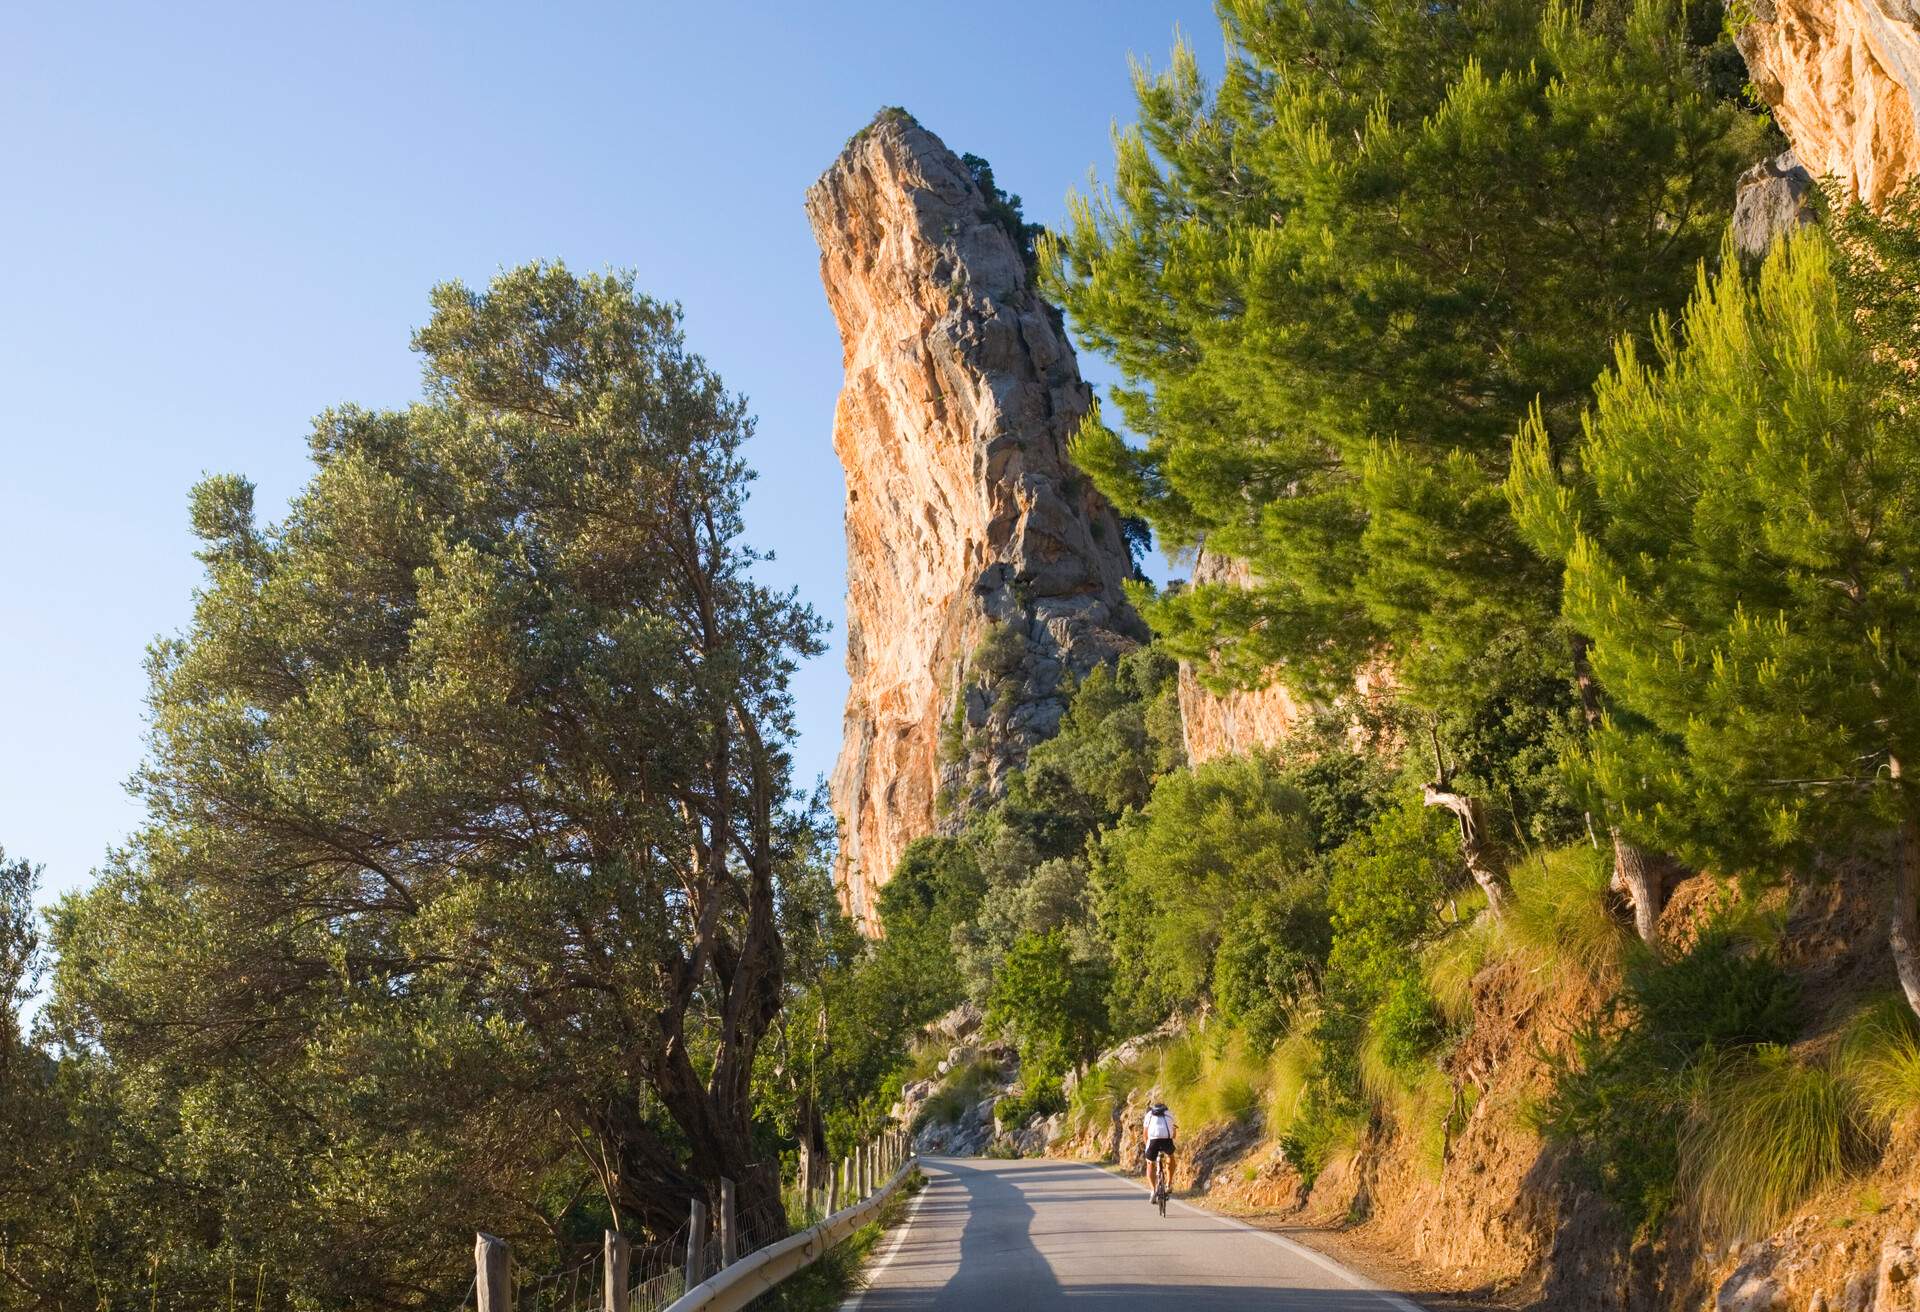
[[1052, 1003], [1037, 1099], [1170, 878], [1271, 949], [1319, 1131], [1386, 889], [1622, 1097], [1406, 1024]]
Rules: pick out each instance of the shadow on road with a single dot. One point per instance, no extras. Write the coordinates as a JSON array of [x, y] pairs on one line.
[[1000, 1267]]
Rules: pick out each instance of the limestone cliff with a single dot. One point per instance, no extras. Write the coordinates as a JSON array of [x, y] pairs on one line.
[[1227, 724], [983, 571], [1841, 78]]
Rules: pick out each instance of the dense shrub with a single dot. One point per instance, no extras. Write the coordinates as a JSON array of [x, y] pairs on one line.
[[1622, 1097], [1170, 877], [1054, 1005]]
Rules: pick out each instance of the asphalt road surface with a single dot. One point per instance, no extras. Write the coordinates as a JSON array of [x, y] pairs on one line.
[[988, 1234]]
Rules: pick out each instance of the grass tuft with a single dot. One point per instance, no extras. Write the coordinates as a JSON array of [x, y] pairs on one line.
[[1560, 912], [1765, 1132], [1208, 1076], [1418, 1099], [1452, 962], [1290, 1068], [1880, 1054]]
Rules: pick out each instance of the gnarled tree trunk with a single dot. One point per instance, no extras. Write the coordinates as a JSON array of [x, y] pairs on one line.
[[1473, 846], [1903, 930], [1635, 872]]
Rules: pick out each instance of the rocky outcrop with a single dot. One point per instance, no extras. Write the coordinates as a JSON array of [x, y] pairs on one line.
[[1228, 724], [1774, 197], [1841, 78], [984, 572]]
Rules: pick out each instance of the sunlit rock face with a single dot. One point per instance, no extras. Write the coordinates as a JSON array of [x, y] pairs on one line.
[[1231, 724], [983, 571], [1840, 77]]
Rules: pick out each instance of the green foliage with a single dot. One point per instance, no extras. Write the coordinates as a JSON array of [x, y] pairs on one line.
[[1880, 1056], [1622, 1098], [1385, 892], [1560, 914], [21, 960], [1291, 274], [936, 887], [1268, 959], [1121, 731], [1054, 1005], [1210, 844], [1739, 537], [1766, 1132], [1343, 790], [1003, 210], [468, 829]]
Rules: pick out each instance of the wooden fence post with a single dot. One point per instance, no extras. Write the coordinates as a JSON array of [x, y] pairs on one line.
[[729, 1227], [697, 1245], [619, 1259], [491, 1272], [833, 1189]]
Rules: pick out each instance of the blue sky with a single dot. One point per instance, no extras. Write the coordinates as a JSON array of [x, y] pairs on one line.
[[222, 219]]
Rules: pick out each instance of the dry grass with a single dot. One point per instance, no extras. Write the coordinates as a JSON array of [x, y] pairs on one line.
[[1765, 1133]]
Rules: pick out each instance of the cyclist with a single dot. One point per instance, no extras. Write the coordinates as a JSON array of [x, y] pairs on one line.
[[1159, 1134]]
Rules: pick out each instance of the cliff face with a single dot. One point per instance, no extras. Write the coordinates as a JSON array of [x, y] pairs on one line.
[[1841, 77], [983, 571], [1217, 724]]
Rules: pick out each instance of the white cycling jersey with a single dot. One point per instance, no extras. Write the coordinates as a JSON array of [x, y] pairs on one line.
[[1158, 1125]]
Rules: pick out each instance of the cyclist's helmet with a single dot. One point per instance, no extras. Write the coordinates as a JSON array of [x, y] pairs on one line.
[[1157, 1108]]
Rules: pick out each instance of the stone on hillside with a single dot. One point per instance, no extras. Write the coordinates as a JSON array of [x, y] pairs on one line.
[[1774, 197]]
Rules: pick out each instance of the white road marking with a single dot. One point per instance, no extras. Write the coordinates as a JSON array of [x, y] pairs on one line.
[[1320, 1260], [893, 1249]]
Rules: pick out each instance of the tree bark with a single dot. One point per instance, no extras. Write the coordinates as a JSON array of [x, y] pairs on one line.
[[1634, 870], [1903, 931], [1473, 846]]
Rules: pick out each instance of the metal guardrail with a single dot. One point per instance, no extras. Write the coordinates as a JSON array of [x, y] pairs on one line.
[[759, 1272]]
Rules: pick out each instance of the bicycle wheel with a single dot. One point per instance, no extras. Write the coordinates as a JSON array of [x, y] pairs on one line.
[[1162, 1196]]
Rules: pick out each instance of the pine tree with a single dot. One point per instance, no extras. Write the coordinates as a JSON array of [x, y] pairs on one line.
[[1740, 523], [1336, 285]]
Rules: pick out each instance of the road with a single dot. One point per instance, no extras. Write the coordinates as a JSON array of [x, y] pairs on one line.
[[988, 1234]]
